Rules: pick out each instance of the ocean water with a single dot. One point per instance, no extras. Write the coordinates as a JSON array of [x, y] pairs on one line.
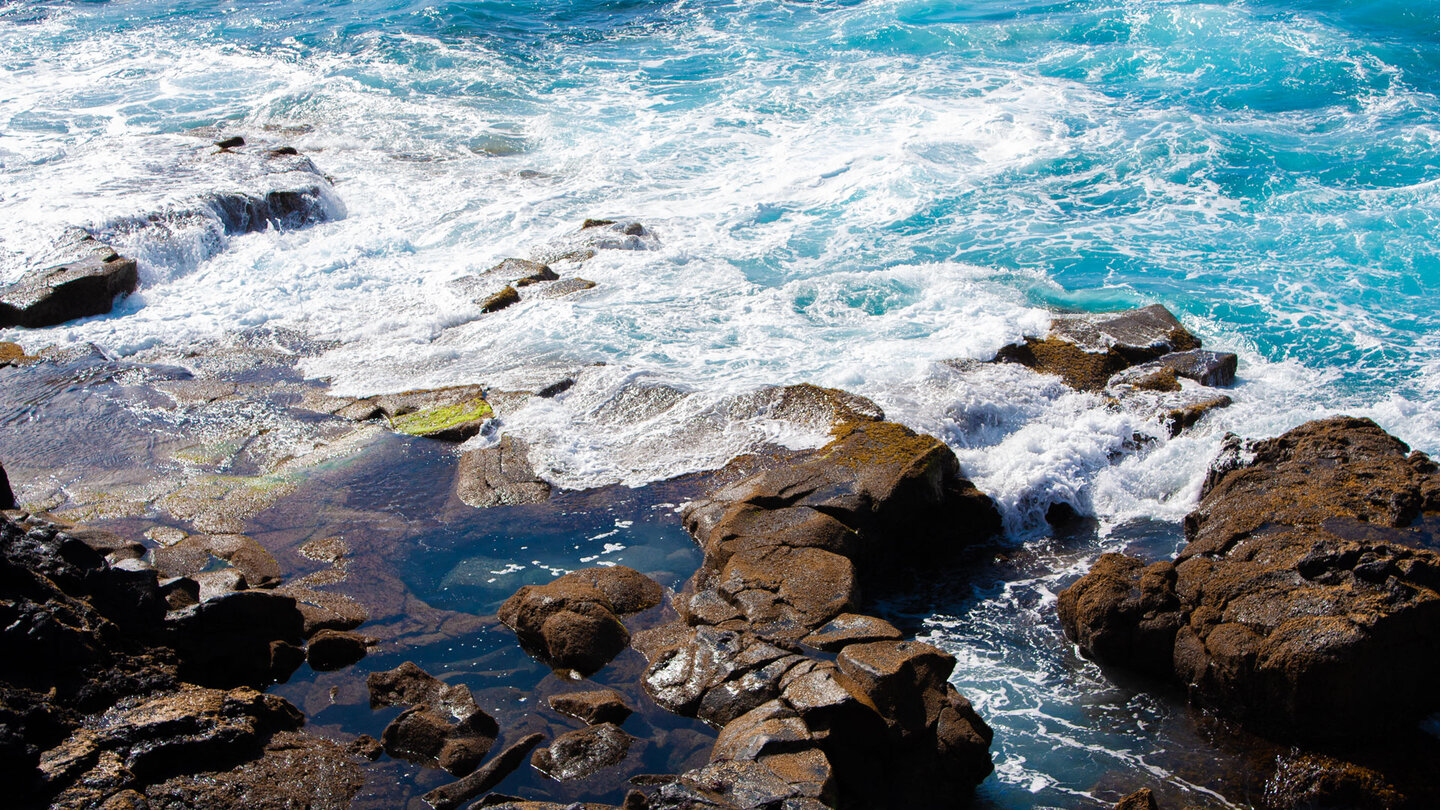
[[844, 193]]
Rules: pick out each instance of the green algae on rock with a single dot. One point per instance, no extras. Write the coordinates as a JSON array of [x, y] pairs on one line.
[[456, 422]]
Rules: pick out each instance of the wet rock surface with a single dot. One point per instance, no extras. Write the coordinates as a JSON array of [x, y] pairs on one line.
[[85, 280], [1305, 601], [499, 476], [582, 752], [102, 695], [785, 550], [1136, 358], [573, 622]]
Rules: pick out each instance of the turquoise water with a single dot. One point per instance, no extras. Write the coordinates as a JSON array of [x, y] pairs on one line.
[[844, 193]]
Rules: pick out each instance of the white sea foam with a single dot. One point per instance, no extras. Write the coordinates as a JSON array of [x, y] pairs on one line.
[[782, 209]]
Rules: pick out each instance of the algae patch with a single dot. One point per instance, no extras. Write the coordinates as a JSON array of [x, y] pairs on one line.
[[457, 422]]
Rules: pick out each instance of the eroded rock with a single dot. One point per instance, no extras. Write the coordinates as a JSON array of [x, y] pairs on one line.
[[499, 476], [583, 752], [1306, 600]]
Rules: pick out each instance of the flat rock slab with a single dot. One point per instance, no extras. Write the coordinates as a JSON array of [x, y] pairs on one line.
[[84, 284], [499, 476], [593, 706]]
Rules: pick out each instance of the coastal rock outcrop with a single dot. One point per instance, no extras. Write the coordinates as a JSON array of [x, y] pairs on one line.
[[106, 691], [451, 414], [786, 550], [499, 476], [84, 281], [1307, 600], [442, 727], [1136, 358]]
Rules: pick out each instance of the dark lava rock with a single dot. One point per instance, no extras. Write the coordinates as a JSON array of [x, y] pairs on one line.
[[84, 284], [1142, 799], [7, 496], [583, 752], [492, 773], [1307, 600], [1086, 350], [499, 476], [595, 706], [334, 649], [571, 623], [232, 142]]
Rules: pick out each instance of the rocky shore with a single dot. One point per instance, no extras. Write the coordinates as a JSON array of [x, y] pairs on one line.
[[194, 529]]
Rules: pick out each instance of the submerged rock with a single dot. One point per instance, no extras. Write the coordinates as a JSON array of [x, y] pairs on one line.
[[1306, 600], [596, 706], [330, 650], [85, 282], [492, 773]]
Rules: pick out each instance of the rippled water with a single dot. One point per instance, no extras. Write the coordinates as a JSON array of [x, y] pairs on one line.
[[844, 193]]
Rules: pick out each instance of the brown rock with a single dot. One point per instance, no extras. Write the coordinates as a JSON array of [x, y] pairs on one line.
[[595, 706], [86, 284], [1305, 600], [500, 300], [294, 770], [335, 649], [904, 680], [851, 628], [1086, 350], [487, 777], [1304, 781], [583, 752], [409, 685], [1142, 799], [570, 623], [427, 737], [499, 476]]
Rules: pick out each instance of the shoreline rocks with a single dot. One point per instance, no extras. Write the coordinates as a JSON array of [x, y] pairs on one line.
[[1306, 602], [105, 690], [85, 282]]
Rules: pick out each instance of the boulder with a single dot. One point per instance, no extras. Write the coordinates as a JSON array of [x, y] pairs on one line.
[[86, 283], [409, 685], [1308, 781], [500, 300], [1306, 602], [583, 752], [448, 414], [499, 476], [334, 649], [1086, 350], [571, 623], [240, 638], [1142, 799], [427, 736], [1214, 369], [851, 628], [594, 706]]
